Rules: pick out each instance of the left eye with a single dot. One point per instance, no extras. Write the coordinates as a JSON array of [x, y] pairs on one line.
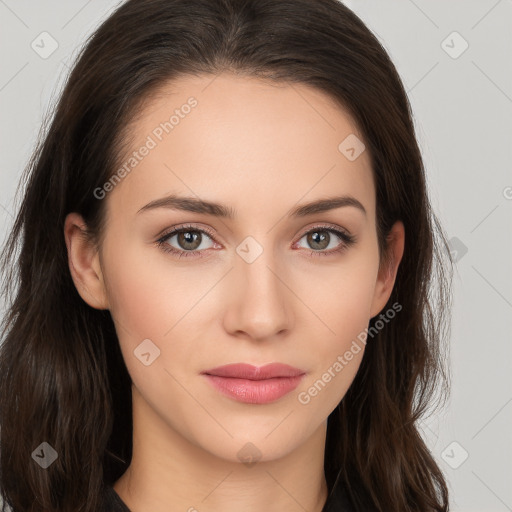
[[320, 238]]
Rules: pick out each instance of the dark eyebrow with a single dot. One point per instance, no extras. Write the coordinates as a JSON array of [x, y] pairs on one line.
[[192, 204], [324, 205]]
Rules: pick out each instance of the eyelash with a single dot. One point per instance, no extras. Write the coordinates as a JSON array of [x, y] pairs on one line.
[[348, 241]]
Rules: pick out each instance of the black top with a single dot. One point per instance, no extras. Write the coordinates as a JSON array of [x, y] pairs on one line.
[[337, 500]]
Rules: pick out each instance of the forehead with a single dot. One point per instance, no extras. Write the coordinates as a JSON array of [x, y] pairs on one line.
[[243, 141]]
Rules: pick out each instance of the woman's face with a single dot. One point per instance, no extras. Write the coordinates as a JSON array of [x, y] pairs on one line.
[[263, 282]]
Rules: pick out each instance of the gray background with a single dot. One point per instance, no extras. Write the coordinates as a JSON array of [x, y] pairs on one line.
[[462, 103]]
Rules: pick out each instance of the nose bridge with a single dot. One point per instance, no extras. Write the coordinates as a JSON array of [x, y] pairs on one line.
[[260, 306]]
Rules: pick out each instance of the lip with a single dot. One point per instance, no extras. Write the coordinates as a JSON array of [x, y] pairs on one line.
[[254, 385]]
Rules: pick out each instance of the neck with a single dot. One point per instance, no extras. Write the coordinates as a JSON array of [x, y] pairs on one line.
[[170, 472]]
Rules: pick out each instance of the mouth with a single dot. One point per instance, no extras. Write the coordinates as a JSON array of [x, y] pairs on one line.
[[254, 385]]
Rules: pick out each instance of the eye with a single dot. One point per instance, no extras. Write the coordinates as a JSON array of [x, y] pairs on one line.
[[189, 240], [320, 238]]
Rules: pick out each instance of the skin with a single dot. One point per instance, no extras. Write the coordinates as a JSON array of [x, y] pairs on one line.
[[261, 149]]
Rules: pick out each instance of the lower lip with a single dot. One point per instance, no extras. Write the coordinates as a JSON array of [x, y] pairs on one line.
[[255, 391]]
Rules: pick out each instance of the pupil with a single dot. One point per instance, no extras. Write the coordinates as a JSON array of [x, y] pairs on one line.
[[189, 237], [317, 239]]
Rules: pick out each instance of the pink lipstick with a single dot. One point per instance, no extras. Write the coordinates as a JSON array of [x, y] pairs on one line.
[[254, 385]]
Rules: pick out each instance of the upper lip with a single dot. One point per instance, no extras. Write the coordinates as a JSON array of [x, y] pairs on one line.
[[248, 371]]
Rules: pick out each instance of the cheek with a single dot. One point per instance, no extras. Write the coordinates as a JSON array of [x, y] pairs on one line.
[[152, 298], [343, 304], [342, 296], [135, 294], [146, 294]]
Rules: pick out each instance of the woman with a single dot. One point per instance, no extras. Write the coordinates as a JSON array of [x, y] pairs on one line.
[[224, 281]]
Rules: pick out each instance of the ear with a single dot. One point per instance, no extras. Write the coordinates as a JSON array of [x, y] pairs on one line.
[[84, 263], [387, 271]]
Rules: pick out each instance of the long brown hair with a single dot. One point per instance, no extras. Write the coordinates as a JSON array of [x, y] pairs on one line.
[[62, 376]]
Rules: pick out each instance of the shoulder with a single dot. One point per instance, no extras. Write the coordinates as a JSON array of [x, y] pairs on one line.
[[111, 501], [339, 499]]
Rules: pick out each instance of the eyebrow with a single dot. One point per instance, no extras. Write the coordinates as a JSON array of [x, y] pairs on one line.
[[192, 204]]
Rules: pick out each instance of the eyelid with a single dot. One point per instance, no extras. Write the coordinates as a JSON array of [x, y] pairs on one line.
[[182, 227], [326, 226]]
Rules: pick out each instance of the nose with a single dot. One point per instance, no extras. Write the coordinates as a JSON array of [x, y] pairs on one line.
[[259, 305]]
